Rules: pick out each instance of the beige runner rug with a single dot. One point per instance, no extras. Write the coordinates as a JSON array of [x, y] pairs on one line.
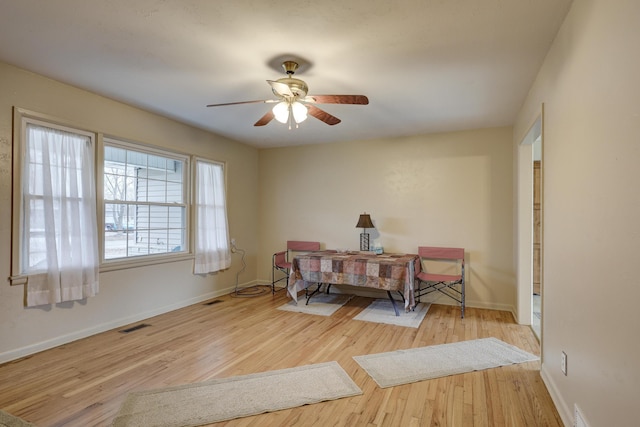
[[227, 398], [423, 363], [8, 420]]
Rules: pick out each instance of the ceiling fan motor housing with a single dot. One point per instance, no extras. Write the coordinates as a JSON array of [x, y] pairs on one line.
[[297, 86]]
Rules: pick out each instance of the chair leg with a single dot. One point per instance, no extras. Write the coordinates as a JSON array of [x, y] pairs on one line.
[[274, 281], [462, 300]]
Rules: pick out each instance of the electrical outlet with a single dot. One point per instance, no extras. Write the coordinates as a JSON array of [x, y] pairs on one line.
[[563, 363], [233, 242]]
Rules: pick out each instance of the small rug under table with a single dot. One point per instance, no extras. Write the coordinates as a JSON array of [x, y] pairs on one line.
[[381, 311], [423, 363], [321, 304], [228, 398]]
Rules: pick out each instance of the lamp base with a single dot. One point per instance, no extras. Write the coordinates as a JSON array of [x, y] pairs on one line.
[[364, 241]]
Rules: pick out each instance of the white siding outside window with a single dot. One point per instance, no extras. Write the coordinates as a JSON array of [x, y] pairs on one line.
[[145, 201]]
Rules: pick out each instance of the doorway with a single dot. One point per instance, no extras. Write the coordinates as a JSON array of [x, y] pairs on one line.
[[536, 302], [529, 227]]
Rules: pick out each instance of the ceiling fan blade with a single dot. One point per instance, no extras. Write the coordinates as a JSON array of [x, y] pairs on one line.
[[338, 99], [263, 101], [280, 88], [322, 115], [265, 119]]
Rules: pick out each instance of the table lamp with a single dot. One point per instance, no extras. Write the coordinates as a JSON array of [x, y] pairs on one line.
[[364, 222]]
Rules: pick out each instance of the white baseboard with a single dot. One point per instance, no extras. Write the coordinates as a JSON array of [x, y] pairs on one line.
[[566, 414], [115, 323]]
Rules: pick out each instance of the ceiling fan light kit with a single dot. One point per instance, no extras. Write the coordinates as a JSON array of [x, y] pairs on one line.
[[284, 111], [294, 105]]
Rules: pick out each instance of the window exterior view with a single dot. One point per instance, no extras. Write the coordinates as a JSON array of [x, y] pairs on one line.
[[145, 206]]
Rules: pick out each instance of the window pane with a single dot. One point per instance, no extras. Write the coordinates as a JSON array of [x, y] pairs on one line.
[[58, 208], [141, 244], [131, 189], [132, 217], [174, 173], [114, 154], [35, 245], [157, 190], [174, 192], [143, 223], [158, 217], [136, 161], [114, 186]]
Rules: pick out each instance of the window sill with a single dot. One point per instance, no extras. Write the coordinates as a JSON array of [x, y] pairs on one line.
[[116, 265], [147, 261], [18, 280]]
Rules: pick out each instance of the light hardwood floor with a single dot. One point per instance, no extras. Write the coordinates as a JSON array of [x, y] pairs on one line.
[[85, 382]]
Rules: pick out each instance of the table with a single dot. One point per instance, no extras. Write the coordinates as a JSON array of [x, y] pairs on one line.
[[390, 272]]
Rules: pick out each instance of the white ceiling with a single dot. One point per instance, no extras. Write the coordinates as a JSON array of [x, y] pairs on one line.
[[426, 65]]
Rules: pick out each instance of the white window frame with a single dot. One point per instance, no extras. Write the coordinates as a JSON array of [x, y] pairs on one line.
[[21, 118], [146, 259]]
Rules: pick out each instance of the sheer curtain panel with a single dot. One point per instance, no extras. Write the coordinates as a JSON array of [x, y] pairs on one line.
[[212, 234], [59, 242]]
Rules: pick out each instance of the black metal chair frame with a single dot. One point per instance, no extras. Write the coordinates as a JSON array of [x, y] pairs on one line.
[[285, 266], [282, 268], [453, 288]]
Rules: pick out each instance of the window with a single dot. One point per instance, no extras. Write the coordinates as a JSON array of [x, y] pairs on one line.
[[73, 215], [55, 213], [145, 201], [212, 235]]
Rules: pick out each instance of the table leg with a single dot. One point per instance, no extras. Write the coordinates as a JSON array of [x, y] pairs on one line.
[[393, 302], [313, 293]]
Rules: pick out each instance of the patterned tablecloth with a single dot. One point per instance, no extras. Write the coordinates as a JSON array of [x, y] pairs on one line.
[[390, 272]]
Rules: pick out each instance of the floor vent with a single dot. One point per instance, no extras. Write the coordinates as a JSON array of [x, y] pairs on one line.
[[215, 301], [134, 328]]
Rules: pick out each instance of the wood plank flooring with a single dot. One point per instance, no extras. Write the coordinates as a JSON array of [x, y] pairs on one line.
[[85, 382]]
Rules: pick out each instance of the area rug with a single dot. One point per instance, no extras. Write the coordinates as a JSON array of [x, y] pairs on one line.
[[234, 397], [321, 304], [423, 363], [8, 420], [381, 311]]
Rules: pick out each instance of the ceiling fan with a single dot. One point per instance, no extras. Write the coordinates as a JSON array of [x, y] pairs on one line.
[[293, 104]]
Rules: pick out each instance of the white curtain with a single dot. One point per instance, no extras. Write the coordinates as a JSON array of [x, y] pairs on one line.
[[60, 233], [212, 233]]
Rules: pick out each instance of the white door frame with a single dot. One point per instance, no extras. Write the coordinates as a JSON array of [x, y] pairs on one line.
[[524, 220]]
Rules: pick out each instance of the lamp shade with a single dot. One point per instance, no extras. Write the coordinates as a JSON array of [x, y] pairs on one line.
[[281, 112], [299, 112], [364, 221]]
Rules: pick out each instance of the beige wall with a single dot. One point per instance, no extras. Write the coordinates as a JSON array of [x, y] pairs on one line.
[[125, 295], [451, 189], [591, 95]]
